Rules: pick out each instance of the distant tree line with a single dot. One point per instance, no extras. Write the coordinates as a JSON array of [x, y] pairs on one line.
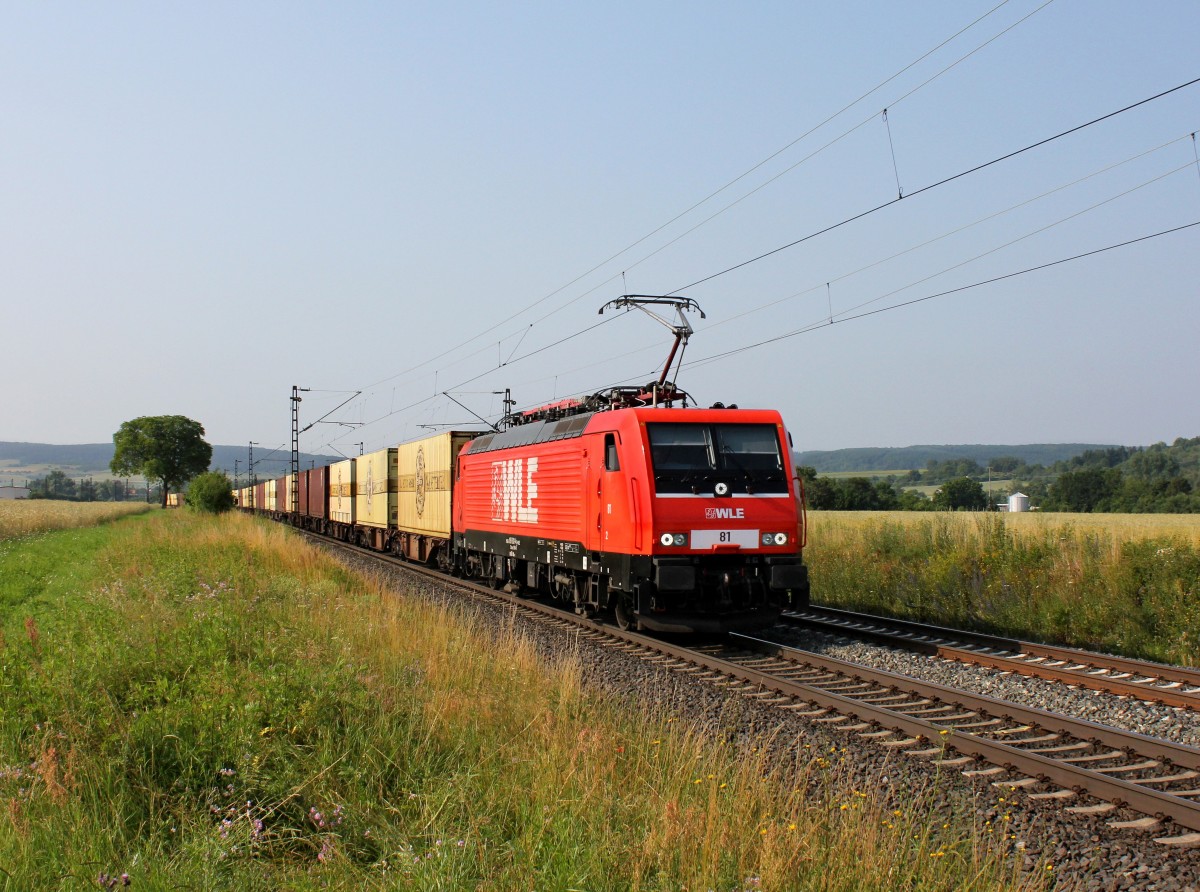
[[1131, 479], [1159, 479], [57, 485], [864, 494]]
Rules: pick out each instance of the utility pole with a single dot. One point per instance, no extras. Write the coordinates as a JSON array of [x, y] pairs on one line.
[[251, 479], [296, 447], [236, 462]]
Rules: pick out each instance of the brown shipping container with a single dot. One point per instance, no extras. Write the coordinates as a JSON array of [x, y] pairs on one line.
[[375, 482], [260, 496], [318, 492], [281, 503], [426, 470], [302, 493], [341, 491]]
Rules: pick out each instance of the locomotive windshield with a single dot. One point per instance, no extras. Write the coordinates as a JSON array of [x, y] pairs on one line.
[[692, 458]]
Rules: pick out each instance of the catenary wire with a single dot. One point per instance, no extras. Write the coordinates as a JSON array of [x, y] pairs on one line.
[[942, 182], [957, 230], [824, 323], [716, 192]]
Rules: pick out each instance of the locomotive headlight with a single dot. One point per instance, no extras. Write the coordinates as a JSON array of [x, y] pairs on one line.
[[680, 539], [768, 538], [781, 538], [667, 539]]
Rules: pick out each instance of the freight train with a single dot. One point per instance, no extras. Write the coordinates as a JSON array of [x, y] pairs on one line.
[[668, 519]]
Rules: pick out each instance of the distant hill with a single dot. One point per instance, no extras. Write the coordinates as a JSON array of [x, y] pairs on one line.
[[917, 457], [20, 461]]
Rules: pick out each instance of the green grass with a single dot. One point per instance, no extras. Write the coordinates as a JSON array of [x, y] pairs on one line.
[[1099, 582], [206, 703]]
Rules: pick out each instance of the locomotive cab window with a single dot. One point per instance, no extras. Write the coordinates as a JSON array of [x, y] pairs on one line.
[[694, 457], [611, 461]]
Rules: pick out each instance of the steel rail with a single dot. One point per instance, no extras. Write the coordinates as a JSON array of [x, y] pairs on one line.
[[1080, 729], [1076, 667], [1155, 803]]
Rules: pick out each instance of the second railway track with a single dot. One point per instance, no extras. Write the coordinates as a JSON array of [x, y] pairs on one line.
[[1153, 682]]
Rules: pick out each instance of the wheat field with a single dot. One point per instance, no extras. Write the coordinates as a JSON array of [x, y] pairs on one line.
[[26, 517]]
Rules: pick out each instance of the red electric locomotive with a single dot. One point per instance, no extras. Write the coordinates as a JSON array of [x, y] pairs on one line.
[[676, 519]]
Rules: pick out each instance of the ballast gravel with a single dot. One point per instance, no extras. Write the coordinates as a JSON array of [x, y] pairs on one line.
[[1172, 723], [1080, 852]]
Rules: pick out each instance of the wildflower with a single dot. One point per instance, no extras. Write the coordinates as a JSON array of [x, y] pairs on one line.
[[655, 742], [723, 786], [791, 827]]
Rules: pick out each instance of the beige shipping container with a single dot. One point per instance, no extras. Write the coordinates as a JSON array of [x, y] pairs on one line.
[[375, 501], [341, 491], [270, 503], [426, 470]]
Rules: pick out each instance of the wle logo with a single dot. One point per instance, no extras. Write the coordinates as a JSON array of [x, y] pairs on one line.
[[513, 490], [725, 513]]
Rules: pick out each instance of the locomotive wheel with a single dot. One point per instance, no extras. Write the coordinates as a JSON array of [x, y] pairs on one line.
[[624, 616]]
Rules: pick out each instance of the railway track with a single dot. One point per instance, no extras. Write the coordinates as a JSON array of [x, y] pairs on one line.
[[1087, 768], [1152, 682]]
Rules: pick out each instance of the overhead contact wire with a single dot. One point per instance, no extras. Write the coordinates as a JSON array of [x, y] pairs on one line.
[[942, 182], [725, 187], [823, 324]]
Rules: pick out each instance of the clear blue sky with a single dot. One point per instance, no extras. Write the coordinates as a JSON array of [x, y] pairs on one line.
[[204, 204]]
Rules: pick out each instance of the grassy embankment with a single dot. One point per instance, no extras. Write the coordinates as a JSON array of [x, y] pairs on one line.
[[27, 517], [1128, 584], [207, 703]]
